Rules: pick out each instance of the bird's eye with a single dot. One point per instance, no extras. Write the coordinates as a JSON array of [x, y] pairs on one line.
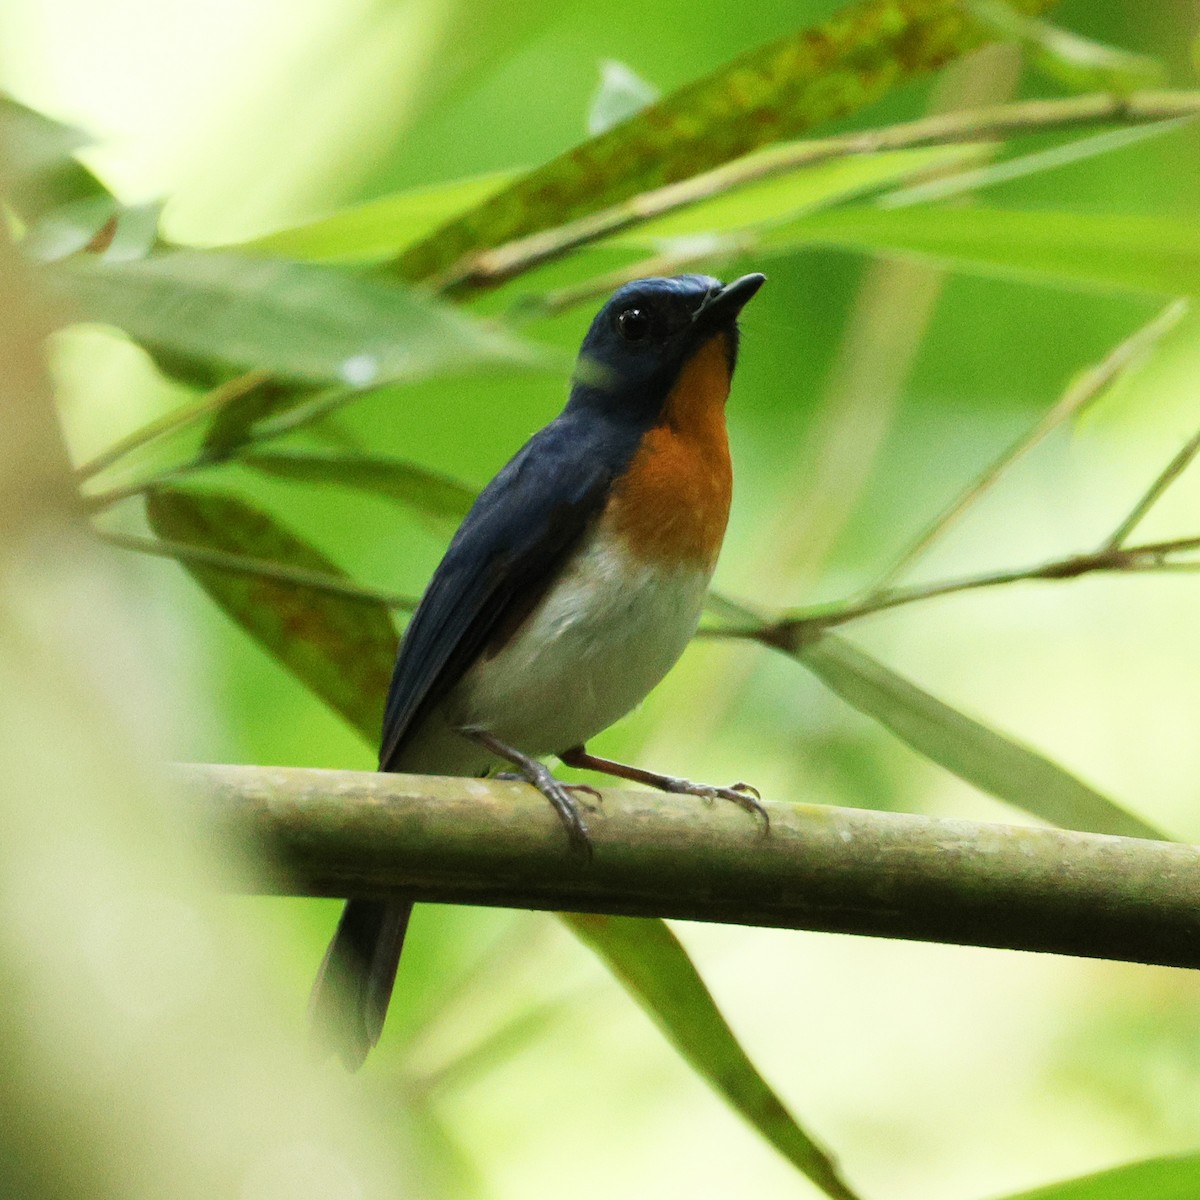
[[634, 324]]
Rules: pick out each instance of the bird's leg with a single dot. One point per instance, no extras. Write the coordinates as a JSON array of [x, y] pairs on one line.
[[538, 774], [742, 794]]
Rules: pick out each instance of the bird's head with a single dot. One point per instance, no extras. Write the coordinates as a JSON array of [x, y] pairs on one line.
[[655, 335]]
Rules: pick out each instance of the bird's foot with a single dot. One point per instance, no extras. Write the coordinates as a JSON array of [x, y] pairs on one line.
[[741, 794], [537, 773]]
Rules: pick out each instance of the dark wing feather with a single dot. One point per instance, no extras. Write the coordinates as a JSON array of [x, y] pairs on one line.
[[503, 557]]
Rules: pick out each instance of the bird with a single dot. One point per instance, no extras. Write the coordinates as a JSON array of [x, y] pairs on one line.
[[571, 588]]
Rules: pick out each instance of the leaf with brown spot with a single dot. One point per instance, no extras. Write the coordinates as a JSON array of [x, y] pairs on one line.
[[340, 647], [775, 91]]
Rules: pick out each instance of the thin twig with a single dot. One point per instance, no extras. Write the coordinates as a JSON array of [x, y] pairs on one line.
[[798, 627], [1167, 476], [1083, 391], [261, 568], [490, 267], [210, 402]]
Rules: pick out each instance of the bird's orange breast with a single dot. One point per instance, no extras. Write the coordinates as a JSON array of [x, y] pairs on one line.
[[672, 504]]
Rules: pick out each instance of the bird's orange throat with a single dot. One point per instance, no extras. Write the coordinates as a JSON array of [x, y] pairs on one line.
[[672, 504]]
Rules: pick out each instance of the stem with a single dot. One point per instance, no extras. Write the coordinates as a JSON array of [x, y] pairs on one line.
[[1083, 391], [209, 403], [1150, 556], [1167, 476], [261, 568], [460, 841], [490, 267]]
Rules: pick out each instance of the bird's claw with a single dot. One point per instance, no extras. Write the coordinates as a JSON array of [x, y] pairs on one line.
[[743, 795]]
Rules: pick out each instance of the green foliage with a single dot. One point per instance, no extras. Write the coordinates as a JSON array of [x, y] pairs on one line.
[[770, 93], [648, 959], [340, 648], [992, 762], [282, 329]]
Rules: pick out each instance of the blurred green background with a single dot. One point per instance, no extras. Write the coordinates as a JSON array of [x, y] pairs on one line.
[[933, 1071]]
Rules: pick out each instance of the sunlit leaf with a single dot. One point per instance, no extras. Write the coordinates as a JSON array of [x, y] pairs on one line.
[[1155, 1179], [796, 192], [621, 93], [1077, 62], [769, 93], [341, 648], [379, 229], [992, 762], [303, 322], [1113, 252], [427, 492], [656, 970]]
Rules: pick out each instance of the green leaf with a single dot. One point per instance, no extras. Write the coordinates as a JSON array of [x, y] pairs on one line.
[[429, 493], [1155, 1179], [773, 92], [1076, 62], [992, 762], [800, 191], [302, 322], [341, 648], [40, 174], [656, 970], [1110, 252], [233, 424], [379, 229]]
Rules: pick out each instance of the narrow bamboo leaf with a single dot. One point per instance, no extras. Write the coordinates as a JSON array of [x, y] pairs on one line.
[[339, 647], [1156, 1179], [802, 191], [302, 322], [772, 92], [433, 495], [1112, 252], [1076, 62], [992, 762], [379, 229], [656, 970], [233, 424]]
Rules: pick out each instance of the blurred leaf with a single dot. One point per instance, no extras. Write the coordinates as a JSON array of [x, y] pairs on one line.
[[798, 191], [233, 424], [990, 761], [34, 141], [1155, 1179], [620, 95], [433, 495], [775, 91], [379, 229], [342, 649], [1076, 62], [1105, 251], [299, 321], [656, 970], [40, 174]]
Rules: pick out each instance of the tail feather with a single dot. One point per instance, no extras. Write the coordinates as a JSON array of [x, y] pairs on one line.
[[350, 996]]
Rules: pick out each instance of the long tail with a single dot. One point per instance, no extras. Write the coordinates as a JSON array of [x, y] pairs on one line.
[[350, 996]]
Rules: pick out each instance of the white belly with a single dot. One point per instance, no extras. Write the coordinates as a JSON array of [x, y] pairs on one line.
[[599, 641]]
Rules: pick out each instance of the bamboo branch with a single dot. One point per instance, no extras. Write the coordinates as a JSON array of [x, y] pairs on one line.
[[490, 267], [882, 874]]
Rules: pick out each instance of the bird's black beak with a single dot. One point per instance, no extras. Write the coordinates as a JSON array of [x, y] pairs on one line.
[[721, 306]]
